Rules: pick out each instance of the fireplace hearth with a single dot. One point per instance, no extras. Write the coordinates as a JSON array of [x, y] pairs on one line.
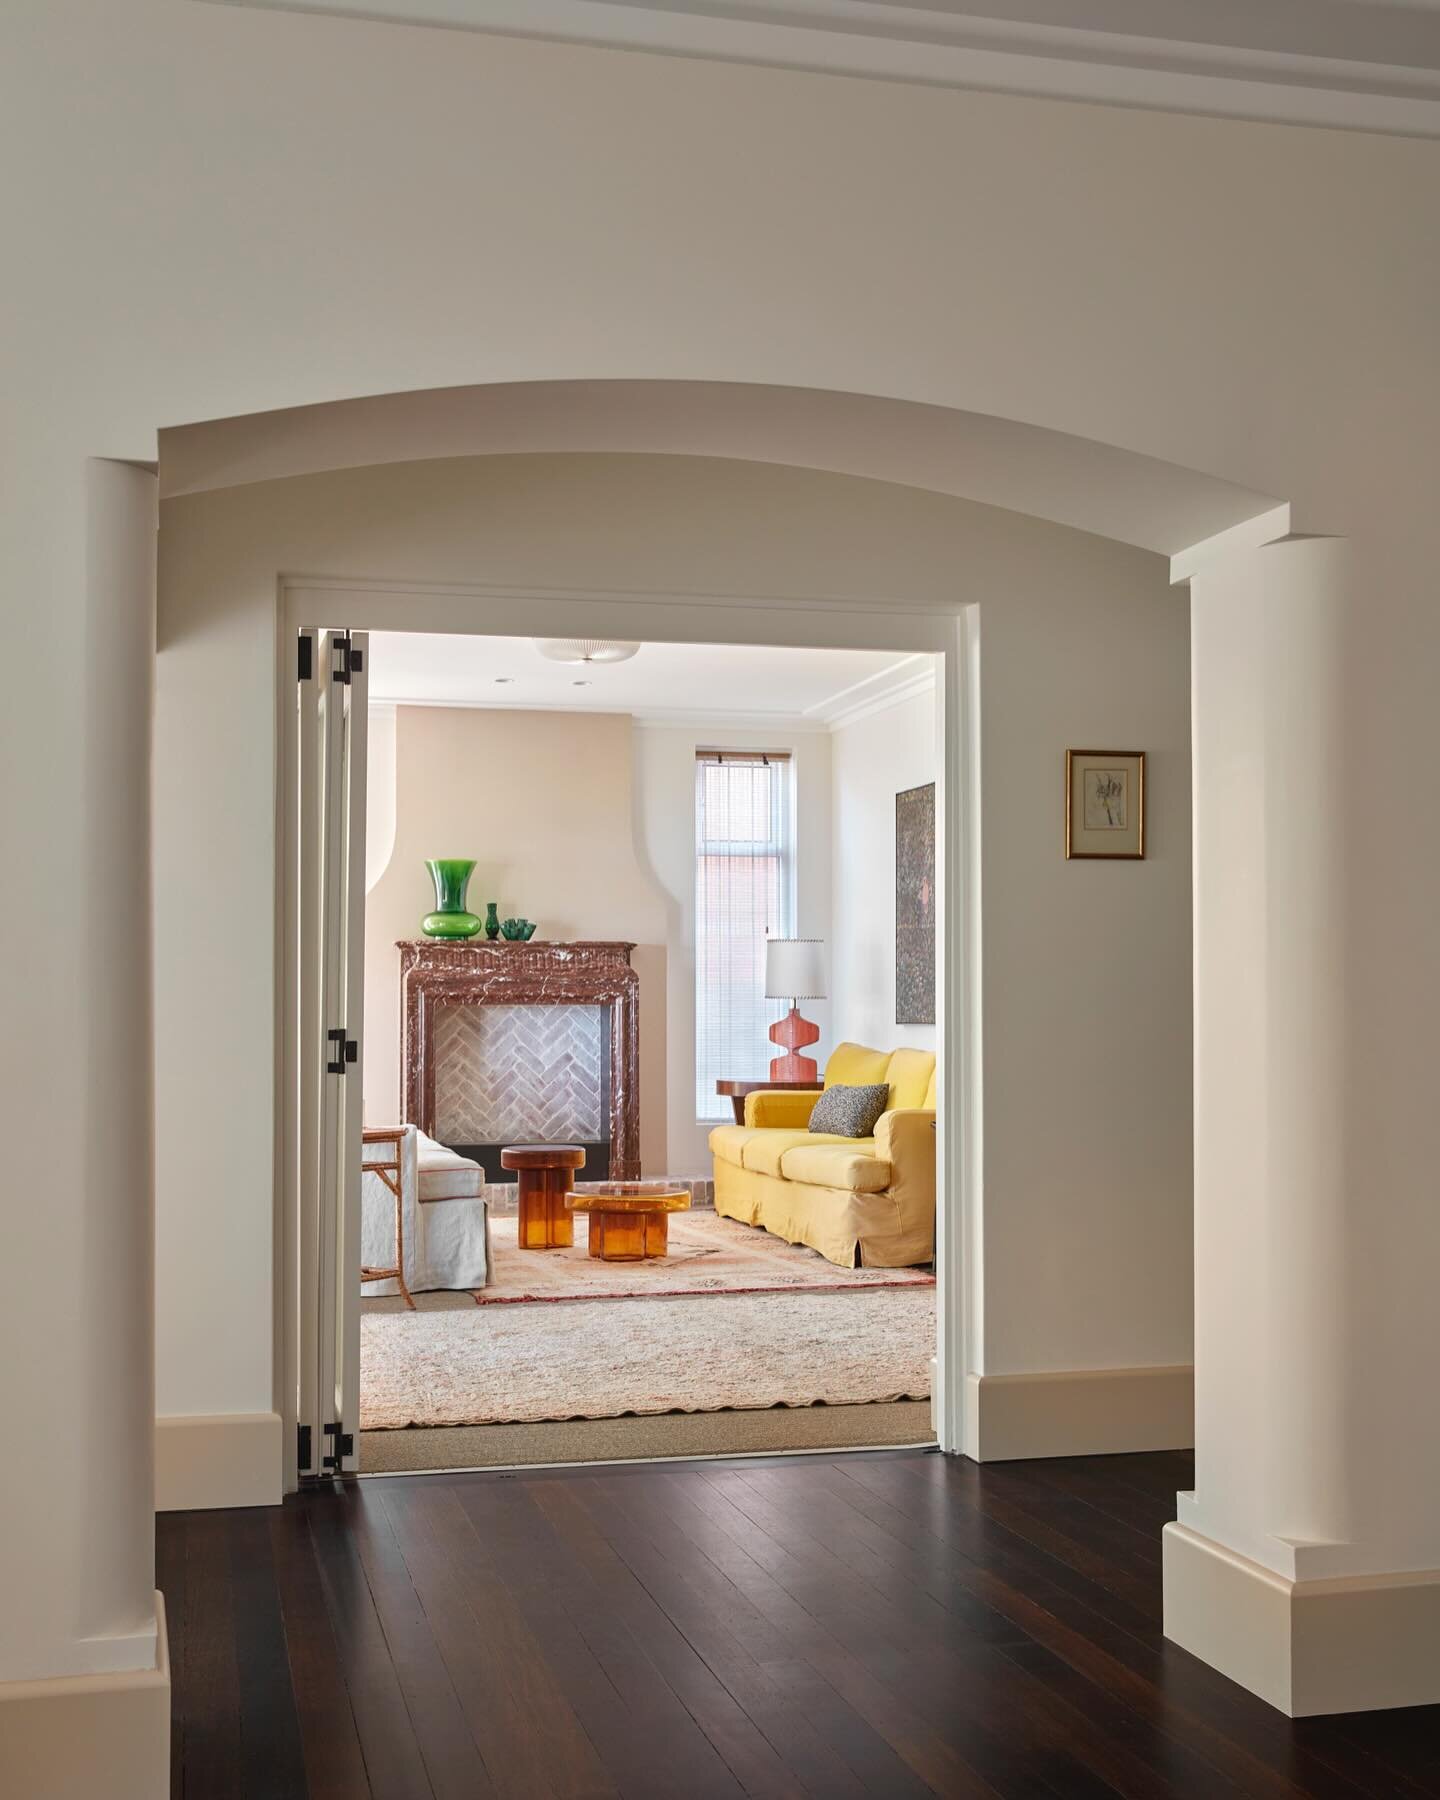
[[515, 1042]]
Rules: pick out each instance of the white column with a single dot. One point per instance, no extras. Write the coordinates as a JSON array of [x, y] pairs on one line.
[[84, 1699], [1306, 1564]]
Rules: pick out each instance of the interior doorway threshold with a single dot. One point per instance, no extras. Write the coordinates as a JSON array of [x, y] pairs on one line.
[[653, 1438]]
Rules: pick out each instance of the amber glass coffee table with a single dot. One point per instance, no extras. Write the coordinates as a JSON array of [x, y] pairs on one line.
[[630, 1220]]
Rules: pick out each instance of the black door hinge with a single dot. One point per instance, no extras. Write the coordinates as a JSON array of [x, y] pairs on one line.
[[344, 1442], [348, 660], [304, 657], [302, 1451], [343, 1051]]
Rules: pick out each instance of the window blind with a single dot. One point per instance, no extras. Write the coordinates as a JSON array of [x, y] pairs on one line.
[[744, 893]]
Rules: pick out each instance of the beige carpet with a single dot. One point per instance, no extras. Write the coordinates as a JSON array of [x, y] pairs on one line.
[[708, 1255], [470, 1365], [668, 1434]]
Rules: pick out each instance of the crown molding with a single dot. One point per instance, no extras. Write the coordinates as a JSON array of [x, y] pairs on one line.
[[670, 718], [656, 718], [878, 694], [1363, 65]]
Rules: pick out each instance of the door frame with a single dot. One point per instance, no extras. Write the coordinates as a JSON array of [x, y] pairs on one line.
[[949, 632]]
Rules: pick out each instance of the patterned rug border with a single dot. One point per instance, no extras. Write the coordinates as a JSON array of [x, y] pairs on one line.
[[668, 1412], [914, 1279]]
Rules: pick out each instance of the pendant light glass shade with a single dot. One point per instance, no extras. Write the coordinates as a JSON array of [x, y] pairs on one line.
[[585, 650]]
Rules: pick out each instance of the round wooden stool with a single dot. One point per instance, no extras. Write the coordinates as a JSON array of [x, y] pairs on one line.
[[543, 1175]]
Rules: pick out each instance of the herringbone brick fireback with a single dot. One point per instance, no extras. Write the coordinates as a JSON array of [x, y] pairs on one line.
[[512, 1074]]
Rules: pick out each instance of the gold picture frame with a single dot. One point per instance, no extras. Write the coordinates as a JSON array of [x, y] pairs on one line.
[[1104, 805]]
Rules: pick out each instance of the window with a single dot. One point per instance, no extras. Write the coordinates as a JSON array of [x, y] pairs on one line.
[[744, 893]]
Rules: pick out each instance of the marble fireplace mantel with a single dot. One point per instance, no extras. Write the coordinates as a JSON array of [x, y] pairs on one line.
[[435, 974]]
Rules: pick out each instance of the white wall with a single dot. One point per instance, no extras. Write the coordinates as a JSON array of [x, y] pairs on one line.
[[1253, 301], [1087, 985], [379, 792], [542, 802], [873, 759], [665, 809], [1081, 638]]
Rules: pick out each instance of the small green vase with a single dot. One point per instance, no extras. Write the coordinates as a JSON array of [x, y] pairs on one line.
[[492, 919], [451, 875]]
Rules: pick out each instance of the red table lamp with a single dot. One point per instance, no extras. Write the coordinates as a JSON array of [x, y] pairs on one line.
[[794, 970]]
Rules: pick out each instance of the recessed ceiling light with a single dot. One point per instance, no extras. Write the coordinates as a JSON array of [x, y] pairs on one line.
[[580, 684], [504, 680]]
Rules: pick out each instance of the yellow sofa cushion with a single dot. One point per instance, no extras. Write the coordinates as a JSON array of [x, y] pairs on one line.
[[909, 1073], [764, 1151], [728, 1141], [852, 1165], [852, 1065], [930, 1094], [788, 1110]]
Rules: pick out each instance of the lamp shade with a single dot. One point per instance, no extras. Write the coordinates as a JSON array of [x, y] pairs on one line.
[[795, 968]]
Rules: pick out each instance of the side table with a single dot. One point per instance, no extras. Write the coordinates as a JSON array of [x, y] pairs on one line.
[[543, 1173]]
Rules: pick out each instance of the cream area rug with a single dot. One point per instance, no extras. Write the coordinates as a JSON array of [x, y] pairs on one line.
[[595, 1359], [708, 1255]]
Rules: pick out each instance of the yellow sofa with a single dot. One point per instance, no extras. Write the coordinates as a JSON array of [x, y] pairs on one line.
[[859, 1201]]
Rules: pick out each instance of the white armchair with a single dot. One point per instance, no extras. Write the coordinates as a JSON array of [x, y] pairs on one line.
[[444, 1220]]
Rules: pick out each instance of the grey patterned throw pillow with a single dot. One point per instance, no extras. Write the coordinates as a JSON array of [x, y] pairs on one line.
[[850, 1111]]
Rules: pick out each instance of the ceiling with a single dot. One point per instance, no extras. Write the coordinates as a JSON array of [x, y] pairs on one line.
[[665, 682], [1365, 64]]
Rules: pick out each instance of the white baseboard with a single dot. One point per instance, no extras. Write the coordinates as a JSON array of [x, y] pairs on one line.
[[1080, 1412], [89, 1734], [218, 1459], [1357, 1643]]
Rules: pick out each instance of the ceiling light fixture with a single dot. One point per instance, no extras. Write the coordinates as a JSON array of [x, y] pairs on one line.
[[585, 650], [504, 680]]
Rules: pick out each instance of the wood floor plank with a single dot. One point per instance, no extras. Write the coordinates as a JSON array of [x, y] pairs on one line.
[[616, 1592], [394, 1761], [518, 1715], [959, 1680], [895, 1625], [1146, 1753], [625, 1688], [330, 1742], [707, 1609], [866, 1644], [272, 1759], [212, 1676], [452, 1757], [870, 1727]]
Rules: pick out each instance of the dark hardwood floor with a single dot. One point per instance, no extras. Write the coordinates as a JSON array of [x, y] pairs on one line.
[[901, 1625]]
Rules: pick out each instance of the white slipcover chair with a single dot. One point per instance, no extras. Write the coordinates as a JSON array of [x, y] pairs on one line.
[[447, 1223]]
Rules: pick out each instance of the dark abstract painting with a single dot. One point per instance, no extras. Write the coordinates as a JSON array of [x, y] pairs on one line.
[[915, 906]]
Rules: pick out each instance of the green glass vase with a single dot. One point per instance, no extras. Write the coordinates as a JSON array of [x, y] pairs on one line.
[[492, 919], [451, 875]]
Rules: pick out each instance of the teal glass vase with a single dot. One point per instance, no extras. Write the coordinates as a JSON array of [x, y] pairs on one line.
[[451, 875]]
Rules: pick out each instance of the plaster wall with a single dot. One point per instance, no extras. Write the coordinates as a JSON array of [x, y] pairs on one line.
[[872, 760], [1113, 1226], [245, 210], [542, 802]]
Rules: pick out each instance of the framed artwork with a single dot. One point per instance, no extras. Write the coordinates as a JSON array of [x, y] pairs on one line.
[[1105, 804], [915, 906]]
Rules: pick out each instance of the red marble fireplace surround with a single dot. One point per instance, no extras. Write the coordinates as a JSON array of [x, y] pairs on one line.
[[434, 974]]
